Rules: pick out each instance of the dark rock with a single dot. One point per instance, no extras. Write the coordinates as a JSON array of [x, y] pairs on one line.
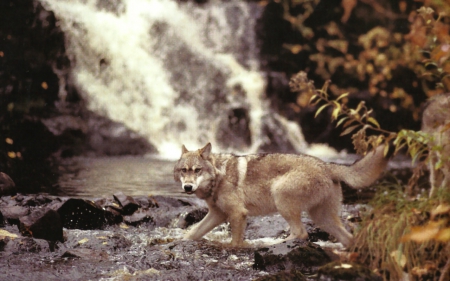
[[42, 223], [347, 271], [138, 218], [13, 213], [112, 215], [82, 214], [292, 275], [289, 255], [7, 185], [129, 206], [2, 220], [193, 217]]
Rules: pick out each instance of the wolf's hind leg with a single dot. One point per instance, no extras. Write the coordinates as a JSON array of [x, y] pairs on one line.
[[211, 220], [326, 217]]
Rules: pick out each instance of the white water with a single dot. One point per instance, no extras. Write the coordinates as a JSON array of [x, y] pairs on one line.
[[173, 72]]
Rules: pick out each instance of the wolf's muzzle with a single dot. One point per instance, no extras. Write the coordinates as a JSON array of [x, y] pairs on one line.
[[188, 188]]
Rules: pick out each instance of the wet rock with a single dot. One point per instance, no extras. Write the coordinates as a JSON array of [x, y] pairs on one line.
[[13, 213], [112, 215], [346, 271], [42, 223], [292, 275], [293, 254], [82, 214], [137, 218], [86, 254], [127, 203], [7, 185], [192, 217]]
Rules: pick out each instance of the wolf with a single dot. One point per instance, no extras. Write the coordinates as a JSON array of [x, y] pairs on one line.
[[436, 123], [235, 187]]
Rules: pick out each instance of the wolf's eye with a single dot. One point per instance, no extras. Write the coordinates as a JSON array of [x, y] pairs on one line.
[[184, 170], [197, 170]]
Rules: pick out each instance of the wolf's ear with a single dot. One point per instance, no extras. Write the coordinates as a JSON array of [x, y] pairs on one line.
[[205, 151], [184, 150]]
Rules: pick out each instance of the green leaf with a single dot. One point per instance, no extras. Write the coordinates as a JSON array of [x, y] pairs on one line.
[[386, 150], [438, 164], [349, 130], [341, 121], [373, 121], [320, 109]]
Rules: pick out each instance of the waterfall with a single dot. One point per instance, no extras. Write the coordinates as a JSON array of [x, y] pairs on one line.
[[174, 72]]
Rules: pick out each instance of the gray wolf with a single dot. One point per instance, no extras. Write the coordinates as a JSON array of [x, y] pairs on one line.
[[436, 123], [235, 187]]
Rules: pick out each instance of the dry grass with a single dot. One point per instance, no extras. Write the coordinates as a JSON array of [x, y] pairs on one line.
[[379, 242]]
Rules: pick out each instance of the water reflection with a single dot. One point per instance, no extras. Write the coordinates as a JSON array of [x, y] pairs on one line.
[[104, 176]]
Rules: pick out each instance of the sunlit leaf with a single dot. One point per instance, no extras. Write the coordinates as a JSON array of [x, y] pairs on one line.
[[349, 130], [335, 113], [320, 109], [373, 121], [4, 233], [441, 209], [342, 96], [443, 235], [82, 241], [386, 150], [342, 120], [421, 234]]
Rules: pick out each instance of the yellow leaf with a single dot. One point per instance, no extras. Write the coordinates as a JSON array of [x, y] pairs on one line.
[[11, 154], [320, 109], [443, 235], [342, 96], [4, 233], [82, 241], [422, 234], [341, 121], [442, 209], [349, 130], [373, 121], [386, 150], [335, 113], [399, 258]]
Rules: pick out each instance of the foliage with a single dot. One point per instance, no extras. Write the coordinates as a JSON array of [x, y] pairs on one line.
[[403, 234], [400, 233]]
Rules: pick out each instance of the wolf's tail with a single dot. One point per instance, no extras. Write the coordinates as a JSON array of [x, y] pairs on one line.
[[363, 172]]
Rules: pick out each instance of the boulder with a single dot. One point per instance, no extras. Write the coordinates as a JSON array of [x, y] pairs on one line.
[[127, 203], [7, 185], [294, 254], [43, 223], [82, 214], [13, 213]]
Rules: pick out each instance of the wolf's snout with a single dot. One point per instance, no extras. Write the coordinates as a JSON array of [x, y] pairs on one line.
[[188, 188]]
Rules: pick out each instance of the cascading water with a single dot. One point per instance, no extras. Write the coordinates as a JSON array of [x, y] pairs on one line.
[[176, 73]]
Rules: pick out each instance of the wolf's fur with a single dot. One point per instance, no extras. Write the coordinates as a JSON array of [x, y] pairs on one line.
[[235, 187], [435, 121]]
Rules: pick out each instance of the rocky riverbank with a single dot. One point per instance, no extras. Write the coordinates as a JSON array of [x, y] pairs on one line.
[[140, 238]]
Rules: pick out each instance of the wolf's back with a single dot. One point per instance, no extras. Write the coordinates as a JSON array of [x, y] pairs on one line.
[[364, 172]]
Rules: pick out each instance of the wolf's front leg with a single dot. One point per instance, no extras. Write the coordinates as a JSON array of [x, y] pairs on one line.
[[238, 222], [211, 220]]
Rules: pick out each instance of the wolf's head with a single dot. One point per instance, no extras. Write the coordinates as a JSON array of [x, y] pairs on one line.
[[195, 171]]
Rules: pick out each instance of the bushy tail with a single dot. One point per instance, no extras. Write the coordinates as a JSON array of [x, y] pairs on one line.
[[363, 172]]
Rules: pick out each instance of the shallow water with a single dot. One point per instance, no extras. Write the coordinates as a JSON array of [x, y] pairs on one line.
[[140, 175], [104, 176]]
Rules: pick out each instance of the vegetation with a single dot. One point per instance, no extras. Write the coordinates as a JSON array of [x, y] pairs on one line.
[[405, 232]]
